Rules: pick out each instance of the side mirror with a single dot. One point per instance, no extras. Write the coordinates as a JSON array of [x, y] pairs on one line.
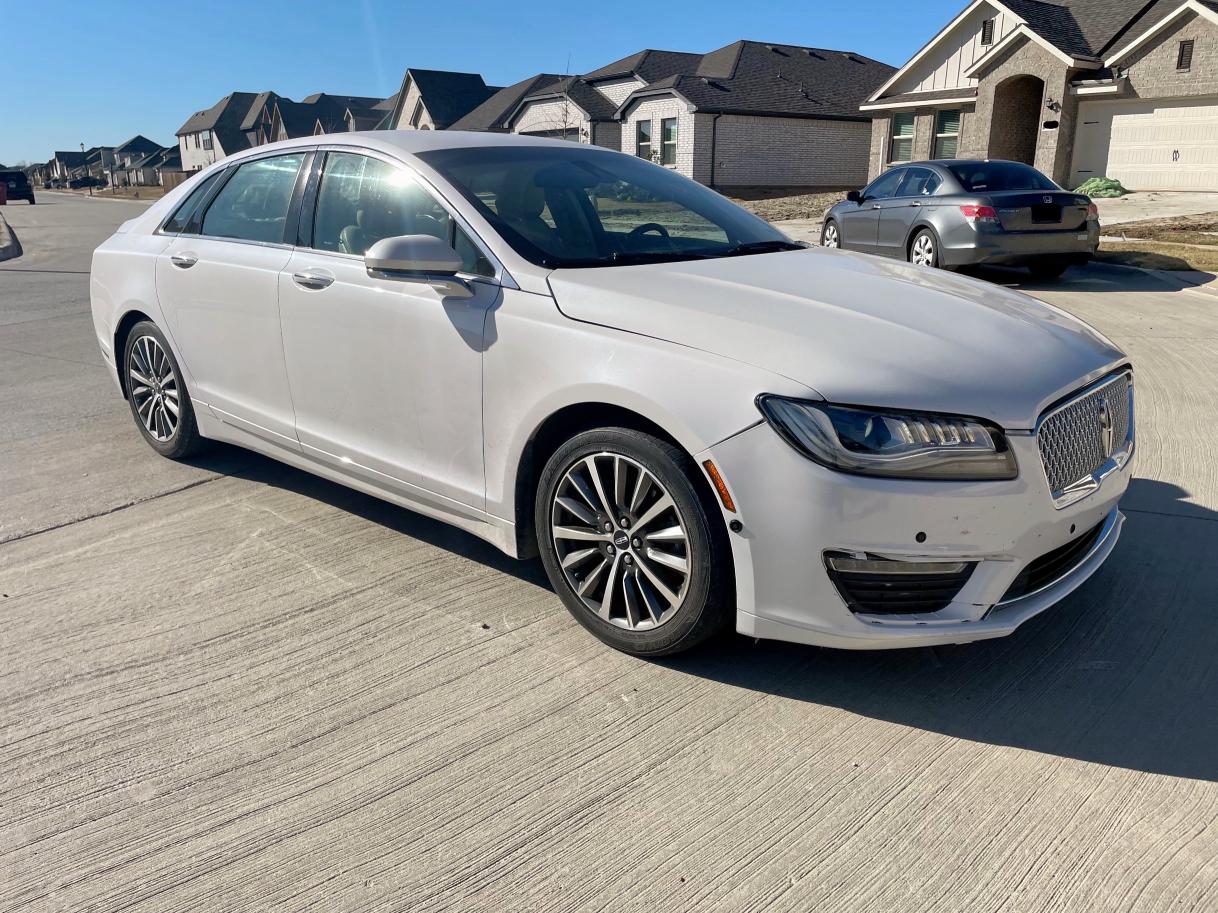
[[854, 196], [418, 258]]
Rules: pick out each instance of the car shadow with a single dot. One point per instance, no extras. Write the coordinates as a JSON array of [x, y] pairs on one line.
[[1094, 277], [1120, 673]]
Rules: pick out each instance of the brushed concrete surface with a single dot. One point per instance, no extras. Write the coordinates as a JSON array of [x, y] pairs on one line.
[[232, 686]]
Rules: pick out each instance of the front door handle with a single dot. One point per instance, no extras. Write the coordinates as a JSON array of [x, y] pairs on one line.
[[875, 206], [915, 203], [312, 280], [184, 261]]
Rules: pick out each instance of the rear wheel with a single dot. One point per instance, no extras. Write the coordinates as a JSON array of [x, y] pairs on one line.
[[830, 236], [924, 250], [1047, 269], [157, 394], [631, 545]]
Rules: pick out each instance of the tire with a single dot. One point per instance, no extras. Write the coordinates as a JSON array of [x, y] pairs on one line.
[[148, 357], [1048, 269], [638, 615], [924, 249], [830, 235]]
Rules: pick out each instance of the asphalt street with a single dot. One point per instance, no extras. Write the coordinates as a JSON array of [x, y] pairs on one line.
[[232, 686]]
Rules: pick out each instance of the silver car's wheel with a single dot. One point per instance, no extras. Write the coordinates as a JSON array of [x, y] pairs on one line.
[[621, 541], [922, 252], [155, 391], [830, 236]]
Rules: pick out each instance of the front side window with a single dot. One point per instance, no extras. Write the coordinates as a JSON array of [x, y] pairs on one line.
[[583, 207], [668, 141], [901, 146], [947, 134], [181, 219], [362, 200], [642, 139], [253, 205]]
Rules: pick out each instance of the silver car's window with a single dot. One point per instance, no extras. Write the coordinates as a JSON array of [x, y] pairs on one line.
[[582, 207], [885, 185], [253, 205], [362, 200], [918, 182]]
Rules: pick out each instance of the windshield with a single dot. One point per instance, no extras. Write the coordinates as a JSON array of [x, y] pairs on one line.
[[576, 207], [996, 177]]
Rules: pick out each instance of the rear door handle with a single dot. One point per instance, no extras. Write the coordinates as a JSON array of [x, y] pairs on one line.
[[312, 280], [875, 206], [184, 261], [915, 203]]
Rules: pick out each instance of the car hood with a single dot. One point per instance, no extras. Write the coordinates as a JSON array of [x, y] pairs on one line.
[[856, 329]]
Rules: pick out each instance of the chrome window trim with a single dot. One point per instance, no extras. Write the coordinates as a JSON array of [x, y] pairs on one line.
[[1084, 487]]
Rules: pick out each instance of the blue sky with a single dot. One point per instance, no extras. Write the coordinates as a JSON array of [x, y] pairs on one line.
[[99, 73]]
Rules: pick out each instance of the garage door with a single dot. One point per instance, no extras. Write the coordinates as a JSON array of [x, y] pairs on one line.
[[1149, 145]]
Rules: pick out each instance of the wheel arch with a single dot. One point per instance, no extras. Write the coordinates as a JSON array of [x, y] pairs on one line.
[[916, 229], [122, 331], [559, 427]]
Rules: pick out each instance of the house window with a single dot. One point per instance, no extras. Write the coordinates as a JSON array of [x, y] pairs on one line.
[[947, 134], [987, 32], [206, 135], [1184, 58], [417, 115], [668, 141], [642, 139], [901, 147]]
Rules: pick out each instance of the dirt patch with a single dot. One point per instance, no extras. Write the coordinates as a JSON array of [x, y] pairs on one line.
[[774, 206], [1198, 229], [1155, 255]]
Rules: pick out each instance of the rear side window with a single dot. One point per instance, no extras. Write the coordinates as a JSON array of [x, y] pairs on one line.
[[253, 204], [995, 177], [14, 177], [919, 182], [179, 221]]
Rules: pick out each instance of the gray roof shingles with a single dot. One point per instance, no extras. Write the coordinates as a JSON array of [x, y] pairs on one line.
[[493, 113]]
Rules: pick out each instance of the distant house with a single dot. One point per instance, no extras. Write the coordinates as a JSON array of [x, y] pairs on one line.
[[317, 114], [63, 164], [134, 149], [436, 99], [1125, 89], [211, 134], [492, 115], [258, 120], [147, 170]]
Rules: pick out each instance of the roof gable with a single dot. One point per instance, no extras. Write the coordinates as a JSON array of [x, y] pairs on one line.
[[494, 112]]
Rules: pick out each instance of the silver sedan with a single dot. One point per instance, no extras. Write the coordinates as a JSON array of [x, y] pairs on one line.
[[960, 212]]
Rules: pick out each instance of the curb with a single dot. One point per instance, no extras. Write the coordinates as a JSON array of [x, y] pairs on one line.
[[10, 247], [99, 198]]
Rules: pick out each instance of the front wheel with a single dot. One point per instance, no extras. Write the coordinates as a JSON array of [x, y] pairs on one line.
[[631, 545], [157, 394], [830, 236]]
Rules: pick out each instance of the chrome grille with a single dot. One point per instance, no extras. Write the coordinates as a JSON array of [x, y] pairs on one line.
[[1076, 441]]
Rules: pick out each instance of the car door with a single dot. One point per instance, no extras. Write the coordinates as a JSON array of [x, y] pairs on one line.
[[860, 226], [386, 375], [899, 212], [218, 282]]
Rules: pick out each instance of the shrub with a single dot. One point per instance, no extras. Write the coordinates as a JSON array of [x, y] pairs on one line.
[[1102, 188]]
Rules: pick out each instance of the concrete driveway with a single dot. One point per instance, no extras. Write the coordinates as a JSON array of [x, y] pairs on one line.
[[231, 686]]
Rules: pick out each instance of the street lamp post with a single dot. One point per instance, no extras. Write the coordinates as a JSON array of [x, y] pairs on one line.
[[86, 164]]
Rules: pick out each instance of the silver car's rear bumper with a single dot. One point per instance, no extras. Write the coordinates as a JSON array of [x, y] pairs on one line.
[[969, 245]]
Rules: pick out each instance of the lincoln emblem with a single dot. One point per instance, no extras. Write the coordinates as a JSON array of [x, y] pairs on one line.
[[1106, 433]]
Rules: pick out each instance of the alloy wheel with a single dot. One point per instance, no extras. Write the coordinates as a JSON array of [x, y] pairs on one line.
[[154, 388], [831, 238], [621, 542], [923, 253]]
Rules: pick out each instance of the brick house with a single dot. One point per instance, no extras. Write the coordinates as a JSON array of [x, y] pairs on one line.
[[1126, 89], [746, 115], [434, 99]]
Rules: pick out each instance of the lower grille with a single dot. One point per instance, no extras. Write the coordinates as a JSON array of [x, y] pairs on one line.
[[896, 593], [1077, 438], [1054, 565]]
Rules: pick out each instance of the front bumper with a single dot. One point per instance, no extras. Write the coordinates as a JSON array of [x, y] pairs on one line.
[[793, 510], [971, 245]]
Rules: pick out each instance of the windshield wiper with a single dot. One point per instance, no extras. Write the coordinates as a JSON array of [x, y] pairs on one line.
[[762, 247], [635, 258]]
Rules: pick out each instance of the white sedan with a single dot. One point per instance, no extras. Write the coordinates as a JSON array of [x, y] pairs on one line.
[[570, 351]]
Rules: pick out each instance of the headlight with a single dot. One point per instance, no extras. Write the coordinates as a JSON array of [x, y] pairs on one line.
[[895, 444]]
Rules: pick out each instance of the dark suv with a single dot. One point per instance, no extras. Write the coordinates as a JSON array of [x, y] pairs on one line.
[[18, 186]]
